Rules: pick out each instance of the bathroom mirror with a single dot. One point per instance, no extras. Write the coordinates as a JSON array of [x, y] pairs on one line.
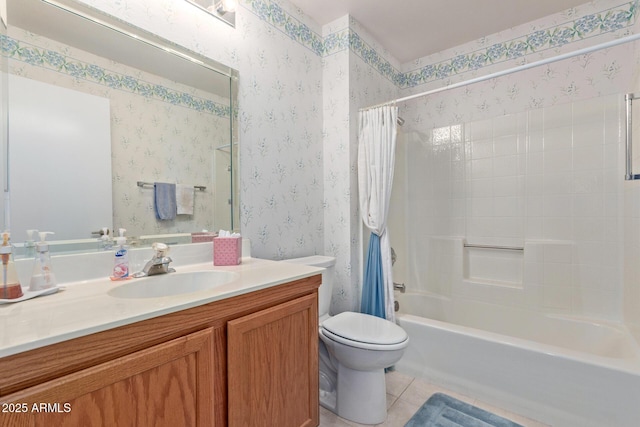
[[170, 114]]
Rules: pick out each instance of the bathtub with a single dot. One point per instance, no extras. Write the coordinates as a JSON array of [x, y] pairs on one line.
[[560, 370]]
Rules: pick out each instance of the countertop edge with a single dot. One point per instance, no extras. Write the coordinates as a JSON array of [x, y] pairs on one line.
[[295, 273]]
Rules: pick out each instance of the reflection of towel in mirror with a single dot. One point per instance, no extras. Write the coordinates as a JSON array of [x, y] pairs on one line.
[[184, 199], [165, 200]]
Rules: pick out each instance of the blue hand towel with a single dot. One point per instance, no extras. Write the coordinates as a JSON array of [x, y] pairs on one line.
[[165, 199]]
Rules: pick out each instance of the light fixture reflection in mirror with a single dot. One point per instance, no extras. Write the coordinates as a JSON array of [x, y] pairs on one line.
[[221, 9]]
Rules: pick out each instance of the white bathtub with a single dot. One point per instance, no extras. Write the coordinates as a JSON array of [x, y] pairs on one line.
[[560, 370]]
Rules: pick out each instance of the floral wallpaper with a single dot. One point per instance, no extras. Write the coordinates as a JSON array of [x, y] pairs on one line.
[[280, 116], [301, 87], [273, 13], [337, 159], [349, 84]]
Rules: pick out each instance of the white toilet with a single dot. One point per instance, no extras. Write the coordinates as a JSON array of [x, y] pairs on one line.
[[354, 350]]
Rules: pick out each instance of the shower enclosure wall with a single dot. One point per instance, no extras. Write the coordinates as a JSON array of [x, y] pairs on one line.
[[517, 228], [536, 197]]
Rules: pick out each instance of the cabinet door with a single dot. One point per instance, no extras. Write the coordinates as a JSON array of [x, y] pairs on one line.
[[272, 361], [169, 384]]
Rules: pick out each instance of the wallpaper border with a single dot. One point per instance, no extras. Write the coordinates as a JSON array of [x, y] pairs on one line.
[[40, 57], [584, 27]]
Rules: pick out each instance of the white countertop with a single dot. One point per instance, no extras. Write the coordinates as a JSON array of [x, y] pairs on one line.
[[83, 308]]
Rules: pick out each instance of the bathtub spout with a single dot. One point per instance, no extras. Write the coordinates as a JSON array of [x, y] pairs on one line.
[[399, 287]]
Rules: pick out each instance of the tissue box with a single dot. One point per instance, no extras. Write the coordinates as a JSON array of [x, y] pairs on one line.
[[227, 250]]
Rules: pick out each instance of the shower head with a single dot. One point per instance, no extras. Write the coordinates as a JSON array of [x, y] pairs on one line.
[[400, 121]]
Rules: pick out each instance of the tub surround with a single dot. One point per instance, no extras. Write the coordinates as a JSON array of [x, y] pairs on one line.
[[562, 370]]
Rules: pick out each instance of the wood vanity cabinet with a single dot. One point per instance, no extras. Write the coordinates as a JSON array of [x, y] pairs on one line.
[[250, 360], [265, 388]]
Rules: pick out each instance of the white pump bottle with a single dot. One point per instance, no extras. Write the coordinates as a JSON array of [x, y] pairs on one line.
[[42, 277]]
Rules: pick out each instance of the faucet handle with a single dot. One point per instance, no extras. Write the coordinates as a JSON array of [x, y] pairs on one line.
[[161, 249]]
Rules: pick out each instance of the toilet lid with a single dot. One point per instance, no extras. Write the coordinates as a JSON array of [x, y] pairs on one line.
[[365, 328]]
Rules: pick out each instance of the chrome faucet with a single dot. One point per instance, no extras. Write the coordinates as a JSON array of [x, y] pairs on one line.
[[159, 264], [399, 287]]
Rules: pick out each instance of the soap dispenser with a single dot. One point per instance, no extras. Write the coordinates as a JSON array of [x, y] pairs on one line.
[[106, 243], [42, 277], [30, 244], [11, 288], [121, 258]]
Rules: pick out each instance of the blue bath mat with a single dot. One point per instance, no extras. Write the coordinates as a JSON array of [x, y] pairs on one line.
[[445, 411]]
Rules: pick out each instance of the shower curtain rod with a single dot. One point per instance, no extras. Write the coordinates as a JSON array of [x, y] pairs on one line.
[[523, 67]]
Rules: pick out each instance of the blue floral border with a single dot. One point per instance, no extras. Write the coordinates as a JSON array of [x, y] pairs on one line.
[[337, 42], [606, 21], [52, 60], [374, 59], [276, 16]]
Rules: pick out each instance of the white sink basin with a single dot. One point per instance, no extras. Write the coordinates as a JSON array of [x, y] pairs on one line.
[[169, 284]]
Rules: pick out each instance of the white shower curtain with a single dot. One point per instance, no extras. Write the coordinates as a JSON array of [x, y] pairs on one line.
[[376, 158]]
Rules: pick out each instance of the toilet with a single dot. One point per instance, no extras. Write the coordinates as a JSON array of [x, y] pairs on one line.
[[355, 348]]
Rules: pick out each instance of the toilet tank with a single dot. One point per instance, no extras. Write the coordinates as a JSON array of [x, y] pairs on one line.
[[326, 288]]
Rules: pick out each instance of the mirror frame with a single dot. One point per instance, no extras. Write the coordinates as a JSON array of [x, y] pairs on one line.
[[110, 22], [4, 120]]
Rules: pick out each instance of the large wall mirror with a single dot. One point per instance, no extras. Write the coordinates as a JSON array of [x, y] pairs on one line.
[[98, 113]]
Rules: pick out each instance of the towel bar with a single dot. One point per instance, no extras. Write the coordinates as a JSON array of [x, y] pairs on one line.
[[629, 175], [502, 248], [143, 184]]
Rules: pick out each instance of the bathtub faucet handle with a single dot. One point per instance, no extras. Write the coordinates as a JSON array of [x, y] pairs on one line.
[[399, 287]]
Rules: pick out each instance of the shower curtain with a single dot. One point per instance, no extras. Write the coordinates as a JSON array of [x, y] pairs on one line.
[[376, 157]]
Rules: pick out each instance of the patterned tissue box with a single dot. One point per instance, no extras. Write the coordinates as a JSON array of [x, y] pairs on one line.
[[227, 250]]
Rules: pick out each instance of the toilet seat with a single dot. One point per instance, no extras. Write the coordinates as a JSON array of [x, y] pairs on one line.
[[364, 331]]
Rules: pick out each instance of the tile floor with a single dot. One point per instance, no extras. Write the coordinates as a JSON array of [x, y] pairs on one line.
[[406, 394]]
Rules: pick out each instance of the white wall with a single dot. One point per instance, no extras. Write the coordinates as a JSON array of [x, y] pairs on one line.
[[547, 180]]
